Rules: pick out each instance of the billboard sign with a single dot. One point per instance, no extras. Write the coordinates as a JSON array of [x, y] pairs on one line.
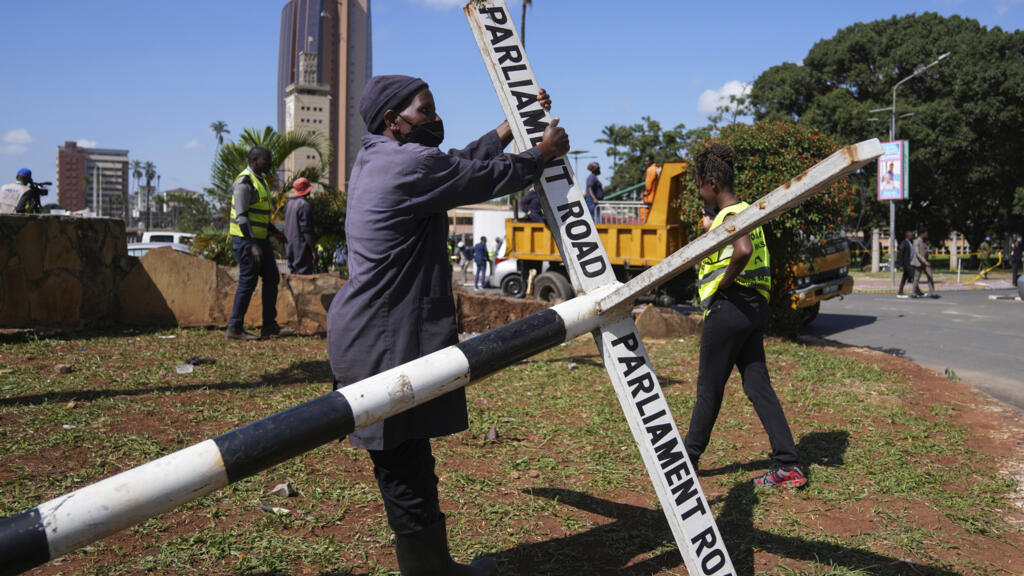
[[894, 171]]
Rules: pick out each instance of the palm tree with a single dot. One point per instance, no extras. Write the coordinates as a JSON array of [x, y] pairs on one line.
[[522, 22], [137, 174], [232, 158], [220, 128], [150, 172]]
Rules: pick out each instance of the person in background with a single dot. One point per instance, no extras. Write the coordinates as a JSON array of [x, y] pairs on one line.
[[531, 206], [651, 173], [904, 262], [29, 202], [1016, 253], [922, 266], [301, 250], [465, 259], [250, 229], [482, 258], [595, 190]]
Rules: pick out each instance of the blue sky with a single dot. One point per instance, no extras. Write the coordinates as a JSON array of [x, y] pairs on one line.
[[150, 76]]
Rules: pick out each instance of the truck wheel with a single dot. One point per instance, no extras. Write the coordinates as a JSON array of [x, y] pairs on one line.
[[513, 285], [552, 287], [810, 313]]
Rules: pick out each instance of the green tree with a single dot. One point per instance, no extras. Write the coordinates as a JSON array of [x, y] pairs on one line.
[[220, 128], [232, 159], [967, 127], [769, 154], [627, 146], [193, 212]]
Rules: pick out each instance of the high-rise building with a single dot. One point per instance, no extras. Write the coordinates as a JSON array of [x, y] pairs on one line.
[[93, 178], [337, 33]]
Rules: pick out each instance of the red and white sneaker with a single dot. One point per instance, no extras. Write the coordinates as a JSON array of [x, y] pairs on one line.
[[788, 476]]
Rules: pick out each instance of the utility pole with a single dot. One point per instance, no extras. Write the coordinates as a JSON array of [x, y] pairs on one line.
[[920, 69]]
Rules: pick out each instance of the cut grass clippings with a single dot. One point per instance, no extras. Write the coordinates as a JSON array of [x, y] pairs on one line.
[[899, 484]]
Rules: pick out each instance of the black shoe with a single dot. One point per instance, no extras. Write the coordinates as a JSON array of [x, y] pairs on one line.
[[425, 553], [916, 295], [233, 334], [934, 295], [275, 330]]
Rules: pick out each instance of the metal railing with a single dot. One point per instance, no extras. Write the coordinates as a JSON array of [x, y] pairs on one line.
[[620, 212]]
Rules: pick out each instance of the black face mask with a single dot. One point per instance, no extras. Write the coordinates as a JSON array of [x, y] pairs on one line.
[[428, 133]]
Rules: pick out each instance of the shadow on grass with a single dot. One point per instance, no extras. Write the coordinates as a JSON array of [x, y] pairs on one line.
[[637, 531], [298, 372]]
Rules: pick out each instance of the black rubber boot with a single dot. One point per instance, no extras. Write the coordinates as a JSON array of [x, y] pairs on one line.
[[425, 553]]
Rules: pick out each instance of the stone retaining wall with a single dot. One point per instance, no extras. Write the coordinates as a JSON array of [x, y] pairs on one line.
[[167, 287], [60, 271]]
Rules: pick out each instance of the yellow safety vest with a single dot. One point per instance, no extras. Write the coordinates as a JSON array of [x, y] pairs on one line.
[[757, 274], [259, 211]]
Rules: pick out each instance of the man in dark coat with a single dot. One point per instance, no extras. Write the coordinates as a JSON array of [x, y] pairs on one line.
[[298, 229], [397, 304], [531, 206]]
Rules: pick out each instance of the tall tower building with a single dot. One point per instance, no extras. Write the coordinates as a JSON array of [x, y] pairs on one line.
[[306, 105], [337, 34]]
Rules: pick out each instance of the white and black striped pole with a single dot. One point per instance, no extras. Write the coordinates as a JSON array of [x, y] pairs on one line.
[[73, 520]]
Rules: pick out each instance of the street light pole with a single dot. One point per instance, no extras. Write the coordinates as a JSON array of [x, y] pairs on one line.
[[892, 138]]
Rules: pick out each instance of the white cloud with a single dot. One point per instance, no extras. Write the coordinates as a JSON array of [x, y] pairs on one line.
[[15, 142], [85, 143], [710, 100], [191, 144], [1005, 6]]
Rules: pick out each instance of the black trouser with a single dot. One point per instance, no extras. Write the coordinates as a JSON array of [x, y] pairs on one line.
[[733, 335], [908, 276], [408, 485]]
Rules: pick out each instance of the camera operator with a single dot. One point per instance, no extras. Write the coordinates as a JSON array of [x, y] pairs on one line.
[[29, 201]]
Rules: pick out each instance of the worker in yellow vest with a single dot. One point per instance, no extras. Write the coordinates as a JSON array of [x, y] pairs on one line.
[[735, 285], [250, 231]]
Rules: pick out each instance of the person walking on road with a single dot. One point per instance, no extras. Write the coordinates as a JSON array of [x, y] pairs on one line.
[[298, 229], [734, 288], [922, 266], [482, 259], [904, 262], [250, 229], [1016, 253]]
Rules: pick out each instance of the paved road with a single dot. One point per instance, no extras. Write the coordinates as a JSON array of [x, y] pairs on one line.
[[979, 338]]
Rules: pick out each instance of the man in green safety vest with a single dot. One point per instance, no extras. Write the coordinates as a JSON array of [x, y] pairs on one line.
[[735, 285], [250, 230]]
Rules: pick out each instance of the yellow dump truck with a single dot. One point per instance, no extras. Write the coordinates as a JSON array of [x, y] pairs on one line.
[[636, 238]]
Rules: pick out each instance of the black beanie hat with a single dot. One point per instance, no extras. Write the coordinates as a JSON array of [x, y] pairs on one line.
[[383, 93]]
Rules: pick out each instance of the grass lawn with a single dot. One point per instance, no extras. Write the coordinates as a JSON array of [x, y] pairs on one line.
[[910, 473]]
